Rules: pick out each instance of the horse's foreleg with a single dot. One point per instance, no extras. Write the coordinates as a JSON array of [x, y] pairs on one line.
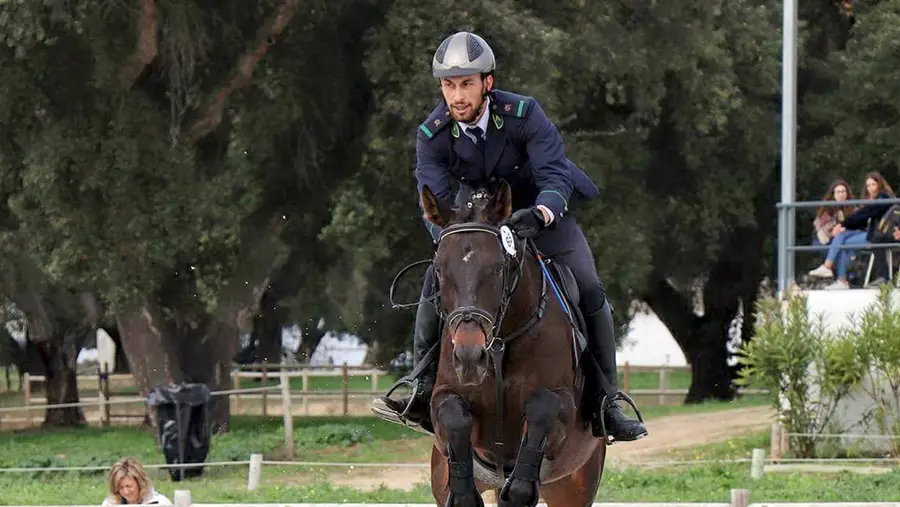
[[455, 420], [521, 489]]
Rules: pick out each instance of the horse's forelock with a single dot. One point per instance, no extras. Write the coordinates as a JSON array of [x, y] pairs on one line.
[[479, 197]]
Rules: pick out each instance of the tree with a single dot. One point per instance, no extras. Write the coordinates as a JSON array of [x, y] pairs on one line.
[[161, 153]]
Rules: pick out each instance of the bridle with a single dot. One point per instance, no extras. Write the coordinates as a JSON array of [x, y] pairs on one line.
[[513, 266]]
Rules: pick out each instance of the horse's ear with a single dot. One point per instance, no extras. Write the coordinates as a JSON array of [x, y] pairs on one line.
[[433, 209], [500, 207]]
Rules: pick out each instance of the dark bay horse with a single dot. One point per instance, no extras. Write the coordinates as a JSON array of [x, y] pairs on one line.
[[509, 389]]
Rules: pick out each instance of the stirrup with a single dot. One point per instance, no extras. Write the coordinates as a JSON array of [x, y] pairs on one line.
[[385, 412], [608, 402]]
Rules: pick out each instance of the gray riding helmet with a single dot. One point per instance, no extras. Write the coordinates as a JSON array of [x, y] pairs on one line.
[[462, 54]]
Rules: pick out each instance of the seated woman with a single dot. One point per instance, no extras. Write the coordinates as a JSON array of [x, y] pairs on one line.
[[828, 217], [130, 484], [852, 230]]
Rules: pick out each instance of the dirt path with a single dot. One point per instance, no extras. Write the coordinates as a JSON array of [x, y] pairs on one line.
[[666, 434], [690, 430]]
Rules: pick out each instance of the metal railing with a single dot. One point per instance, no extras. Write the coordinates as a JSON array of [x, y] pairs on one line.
[[787, 234]]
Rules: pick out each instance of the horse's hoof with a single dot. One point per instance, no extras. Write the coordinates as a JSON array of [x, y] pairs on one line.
[[518, 493], [472, 499]]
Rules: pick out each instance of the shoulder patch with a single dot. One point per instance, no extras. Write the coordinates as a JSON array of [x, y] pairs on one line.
[[511, 104], [437, 121]]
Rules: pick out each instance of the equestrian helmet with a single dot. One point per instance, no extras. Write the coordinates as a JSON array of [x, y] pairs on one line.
[[462, 54]]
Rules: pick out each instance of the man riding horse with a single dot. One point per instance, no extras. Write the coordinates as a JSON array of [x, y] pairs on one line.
[[477, 136]]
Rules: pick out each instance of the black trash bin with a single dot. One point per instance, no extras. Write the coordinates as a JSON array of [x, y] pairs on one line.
[[182, 416]]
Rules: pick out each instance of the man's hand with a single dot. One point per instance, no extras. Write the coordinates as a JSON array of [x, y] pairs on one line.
[[528, 222], [837, 230]]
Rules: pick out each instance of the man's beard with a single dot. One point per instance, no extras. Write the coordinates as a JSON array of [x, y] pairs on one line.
[[470, 115]]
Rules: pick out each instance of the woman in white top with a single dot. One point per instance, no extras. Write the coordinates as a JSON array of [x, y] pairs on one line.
[[130, 484]]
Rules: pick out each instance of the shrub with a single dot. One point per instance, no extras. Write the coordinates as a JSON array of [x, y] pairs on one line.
[[807, 369], [877, 340]]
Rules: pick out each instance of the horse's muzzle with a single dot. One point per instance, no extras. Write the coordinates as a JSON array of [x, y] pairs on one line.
[[470, 357]]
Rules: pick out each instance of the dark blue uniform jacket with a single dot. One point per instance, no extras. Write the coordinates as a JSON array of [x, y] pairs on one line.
[[523, 147]]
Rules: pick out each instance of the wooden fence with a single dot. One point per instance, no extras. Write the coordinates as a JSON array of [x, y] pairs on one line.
[[327, 401]]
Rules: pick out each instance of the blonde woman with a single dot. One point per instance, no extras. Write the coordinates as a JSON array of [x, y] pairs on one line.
[[130, 484]]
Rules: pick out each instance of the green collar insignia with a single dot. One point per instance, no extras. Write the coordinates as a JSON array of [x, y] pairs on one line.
[[498, 121], [455, 130]]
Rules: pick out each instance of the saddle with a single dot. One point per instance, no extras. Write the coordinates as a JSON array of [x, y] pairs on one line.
[[565, 288]]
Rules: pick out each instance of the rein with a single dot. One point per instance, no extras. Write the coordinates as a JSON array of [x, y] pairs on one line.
[[514, 254]]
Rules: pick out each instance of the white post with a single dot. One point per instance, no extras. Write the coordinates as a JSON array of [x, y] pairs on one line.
[[775, 443], [287, 413], [740, 498], [757, 463], [255, 471], [663, 385], [182, 498]]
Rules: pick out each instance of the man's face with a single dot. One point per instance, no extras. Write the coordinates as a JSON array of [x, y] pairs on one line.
[[465, 95]]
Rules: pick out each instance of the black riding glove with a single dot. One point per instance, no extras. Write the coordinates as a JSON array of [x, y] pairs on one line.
[[527, 222]]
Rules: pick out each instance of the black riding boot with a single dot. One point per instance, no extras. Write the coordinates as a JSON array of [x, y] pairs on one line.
[[602, 345], [425, 335]]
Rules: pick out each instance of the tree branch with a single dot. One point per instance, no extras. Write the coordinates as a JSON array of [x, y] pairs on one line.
[[211, 117], [147, 46]]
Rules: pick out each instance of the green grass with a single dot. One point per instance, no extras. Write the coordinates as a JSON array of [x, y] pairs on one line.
[[696, 484], [677, 379], [712, 483], [365, 439]]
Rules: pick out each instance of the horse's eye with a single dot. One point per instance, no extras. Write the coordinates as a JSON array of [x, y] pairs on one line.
[[499, 269]]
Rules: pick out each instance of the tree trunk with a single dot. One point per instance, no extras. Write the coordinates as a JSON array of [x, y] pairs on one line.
[[216, 342], [61, 385], [312, 336], [191, 344], [266, 335], [58, 321], [711, 376], [152, 355], [733, 281]]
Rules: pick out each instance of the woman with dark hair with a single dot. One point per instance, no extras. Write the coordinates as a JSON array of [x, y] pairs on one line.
[[828, 217], [852, 230]]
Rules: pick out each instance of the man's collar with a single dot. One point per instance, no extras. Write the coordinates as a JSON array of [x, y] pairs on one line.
[[483, 120]]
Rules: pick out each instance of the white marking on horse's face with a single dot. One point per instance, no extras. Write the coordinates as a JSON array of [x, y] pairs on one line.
[[468, 256]]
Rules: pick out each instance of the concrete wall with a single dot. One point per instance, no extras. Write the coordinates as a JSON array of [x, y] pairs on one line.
[[843, 308]]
